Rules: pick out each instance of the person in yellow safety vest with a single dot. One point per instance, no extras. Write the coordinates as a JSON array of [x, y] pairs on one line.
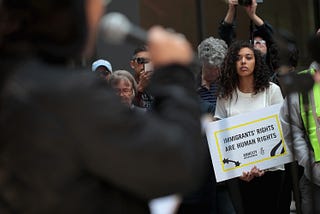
[[306, 140]]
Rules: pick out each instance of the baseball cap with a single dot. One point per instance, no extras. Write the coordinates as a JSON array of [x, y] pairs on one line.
[[101, 62]]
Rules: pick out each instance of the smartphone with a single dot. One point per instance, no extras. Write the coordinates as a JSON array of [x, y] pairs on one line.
[[148, 67]]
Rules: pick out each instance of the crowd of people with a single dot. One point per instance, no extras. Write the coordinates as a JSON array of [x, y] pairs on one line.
[[111, 140], [233, 75]]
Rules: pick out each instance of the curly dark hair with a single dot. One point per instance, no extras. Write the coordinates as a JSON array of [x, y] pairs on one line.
[[229, 79]]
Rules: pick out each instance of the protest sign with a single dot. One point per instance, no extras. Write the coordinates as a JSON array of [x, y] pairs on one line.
[[253, 139]]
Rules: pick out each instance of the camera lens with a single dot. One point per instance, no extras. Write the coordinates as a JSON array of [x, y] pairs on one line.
[[245, 2]]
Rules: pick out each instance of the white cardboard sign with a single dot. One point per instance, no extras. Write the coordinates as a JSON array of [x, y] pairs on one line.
[[253, 139]]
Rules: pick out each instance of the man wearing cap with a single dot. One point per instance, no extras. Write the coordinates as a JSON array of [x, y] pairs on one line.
[[103, 68]]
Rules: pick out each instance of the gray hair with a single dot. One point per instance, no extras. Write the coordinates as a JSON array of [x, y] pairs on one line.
[[123, 75], [212, 51]]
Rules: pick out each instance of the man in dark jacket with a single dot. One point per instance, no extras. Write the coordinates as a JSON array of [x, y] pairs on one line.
[[68, 145]]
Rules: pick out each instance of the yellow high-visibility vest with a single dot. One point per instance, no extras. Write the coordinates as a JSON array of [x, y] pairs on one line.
[[313, 126]]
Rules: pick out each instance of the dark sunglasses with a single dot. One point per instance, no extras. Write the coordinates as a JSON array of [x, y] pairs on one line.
[[141, 60], [104, 73]]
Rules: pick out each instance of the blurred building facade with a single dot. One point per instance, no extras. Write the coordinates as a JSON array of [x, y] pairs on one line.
[[198, 19]]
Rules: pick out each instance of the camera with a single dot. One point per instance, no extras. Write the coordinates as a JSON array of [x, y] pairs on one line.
[[247, 2], [244, 2]]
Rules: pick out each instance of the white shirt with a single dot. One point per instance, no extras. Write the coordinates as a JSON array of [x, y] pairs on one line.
[[247, 102]]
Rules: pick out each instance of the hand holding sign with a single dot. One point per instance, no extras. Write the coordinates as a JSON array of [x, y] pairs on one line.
[[255, 172]]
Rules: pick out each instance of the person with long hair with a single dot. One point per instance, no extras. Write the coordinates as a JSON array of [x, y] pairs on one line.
[[244, 87]]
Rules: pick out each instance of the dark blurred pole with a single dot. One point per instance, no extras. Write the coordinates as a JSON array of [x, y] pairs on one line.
[[251, 32], [200, 20], [316, 6]]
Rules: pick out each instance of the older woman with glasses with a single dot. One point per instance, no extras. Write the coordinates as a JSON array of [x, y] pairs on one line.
[[125, 86]]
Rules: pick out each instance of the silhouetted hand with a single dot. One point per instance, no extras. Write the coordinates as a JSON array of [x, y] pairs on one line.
[[168, 48]]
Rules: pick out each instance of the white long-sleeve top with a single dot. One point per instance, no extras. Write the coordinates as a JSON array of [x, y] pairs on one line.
[[248, 102]]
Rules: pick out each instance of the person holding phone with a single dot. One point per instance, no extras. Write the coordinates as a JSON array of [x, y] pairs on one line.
[[142, 66]]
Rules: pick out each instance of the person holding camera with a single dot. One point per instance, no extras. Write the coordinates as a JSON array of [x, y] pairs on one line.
[[261, 36]]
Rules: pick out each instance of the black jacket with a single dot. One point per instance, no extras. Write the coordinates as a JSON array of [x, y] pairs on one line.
[[69, 146]]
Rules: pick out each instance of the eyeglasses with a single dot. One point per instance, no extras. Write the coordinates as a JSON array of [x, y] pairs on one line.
[[124, 91], [141, 60], [259, 42]]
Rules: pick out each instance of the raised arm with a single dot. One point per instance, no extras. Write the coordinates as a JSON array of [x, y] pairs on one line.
[[262, 27], [251, 12], [226, 27]]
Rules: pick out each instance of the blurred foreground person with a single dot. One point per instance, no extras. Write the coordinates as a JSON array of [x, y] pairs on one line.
[[305, 142], [300, 114], [68, 145]]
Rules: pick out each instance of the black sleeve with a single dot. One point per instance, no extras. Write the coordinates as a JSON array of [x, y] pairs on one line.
[[266, 31], [227, 32], [272, 58]]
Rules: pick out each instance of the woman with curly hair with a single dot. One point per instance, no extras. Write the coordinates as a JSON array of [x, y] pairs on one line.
[[244, 87], [244, 78]]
